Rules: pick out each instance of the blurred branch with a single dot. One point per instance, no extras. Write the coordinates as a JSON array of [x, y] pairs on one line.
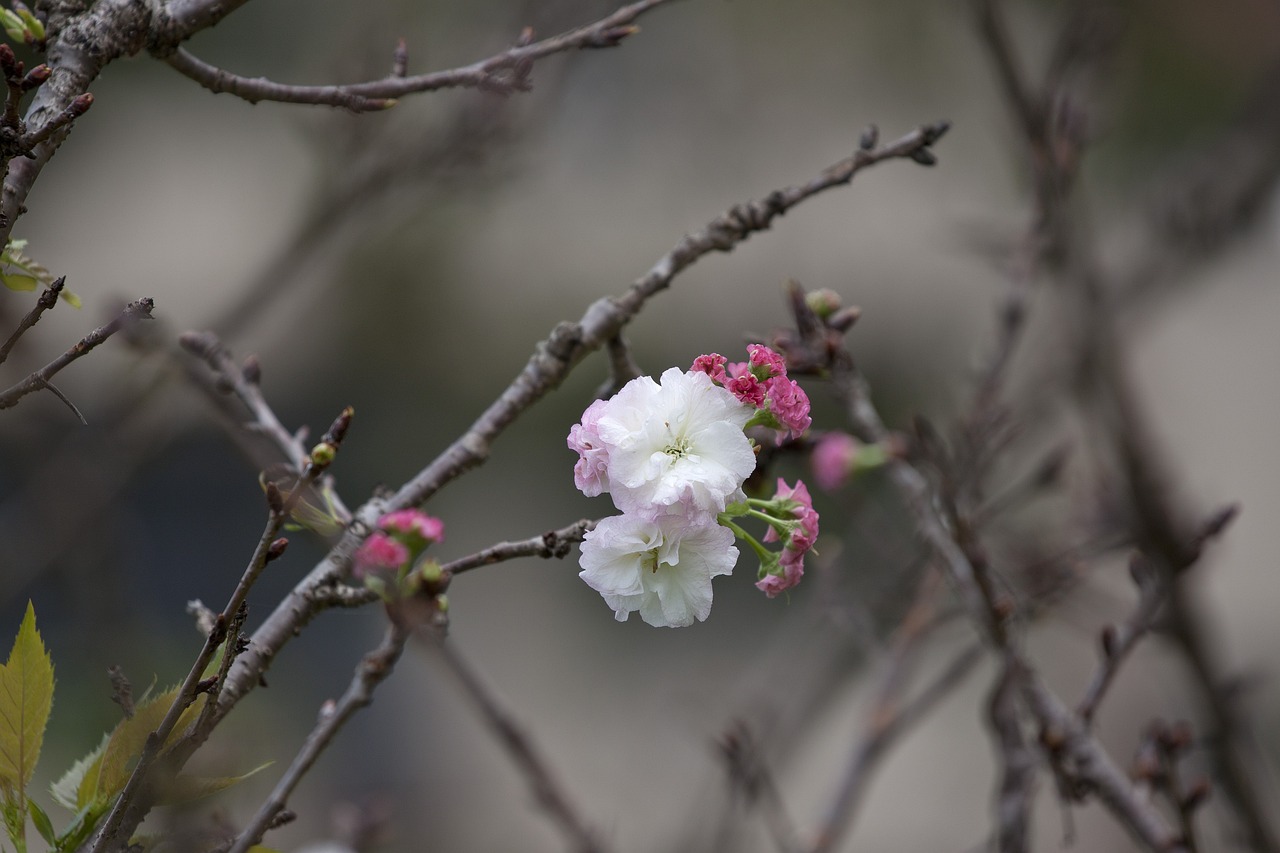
[[504, 72], [134, 311], [749, 773], [1074, 750], [1117, 642], [517, 743], [372, 670]]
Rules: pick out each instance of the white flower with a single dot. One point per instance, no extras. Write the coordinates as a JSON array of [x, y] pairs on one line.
[[662, 568], [675, 448], [591, 474]]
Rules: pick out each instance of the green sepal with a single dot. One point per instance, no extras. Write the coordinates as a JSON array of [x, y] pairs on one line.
[[41, 821]]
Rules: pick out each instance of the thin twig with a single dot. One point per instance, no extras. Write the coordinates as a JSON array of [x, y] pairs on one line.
[[244, 381], [47, 300], [503, 72], [134, 311], [1016, 794], [749, 773], [519, 746], [889, 722], [1118, 641], [553, 543], [372, 670]]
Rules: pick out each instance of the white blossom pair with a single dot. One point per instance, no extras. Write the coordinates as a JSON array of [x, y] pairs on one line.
[[672, 455]]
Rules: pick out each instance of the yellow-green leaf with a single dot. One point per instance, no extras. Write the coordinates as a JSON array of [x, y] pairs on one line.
[[26, 697], [187, 788], [130, 736], [19, 281], [66, 791], [43, 825]]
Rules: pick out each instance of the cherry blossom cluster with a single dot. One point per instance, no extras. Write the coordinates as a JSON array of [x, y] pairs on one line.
[[673, 455], [762, 382], [389, 560]]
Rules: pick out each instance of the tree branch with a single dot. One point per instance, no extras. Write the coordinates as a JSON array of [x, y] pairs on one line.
[[504, 72], [134, 311]]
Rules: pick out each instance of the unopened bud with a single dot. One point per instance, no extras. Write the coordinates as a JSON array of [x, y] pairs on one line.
[[338, 430], [35, 77], [824, 302], [843, 320], [251, 370], [8, 61], [81, 104], [274, 500], [322, 455], [924, 157], [869, 138], [276, 549]]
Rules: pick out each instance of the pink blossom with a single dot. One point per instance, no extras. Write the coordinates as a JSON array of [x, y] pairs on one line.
[[413, 525], [832, 459], [762, 356], [799, 506], [711, 364], [378, 553], [771, 585], [748, 389], [789, 404], [591, 473]]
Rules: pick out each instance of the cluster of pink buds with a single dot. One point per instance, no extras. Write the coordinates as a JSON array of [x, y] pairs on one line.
[[761, 382], [389, 560]]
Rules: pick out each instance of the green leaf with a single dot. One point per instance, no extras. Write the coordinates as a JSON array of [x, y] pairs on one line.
[[12, 25], [19, 281], [66, 791], [71, 299], [186, 789], [26, 697], [85, 822], [43, 825], [32, 23], [130, 736]]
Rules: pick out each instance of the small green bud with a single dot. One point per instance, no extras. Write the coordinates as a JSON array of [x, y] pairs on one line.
[[824, 303], [442, 603], [322, 455]]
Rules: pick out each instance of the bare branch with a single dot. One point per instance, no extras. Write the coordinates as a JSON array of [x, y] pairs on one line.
[[373, 669], [504, 72], [47, 300], [134, 311], [523, 752], [553, 543]]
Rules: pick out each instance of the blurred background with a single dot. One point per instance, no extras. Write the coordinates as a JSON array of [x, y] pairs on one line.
[[407, 263]]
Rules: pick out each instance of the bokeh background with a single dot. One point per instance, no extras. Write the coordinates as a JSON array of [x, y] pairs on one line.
[[407, 263]]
